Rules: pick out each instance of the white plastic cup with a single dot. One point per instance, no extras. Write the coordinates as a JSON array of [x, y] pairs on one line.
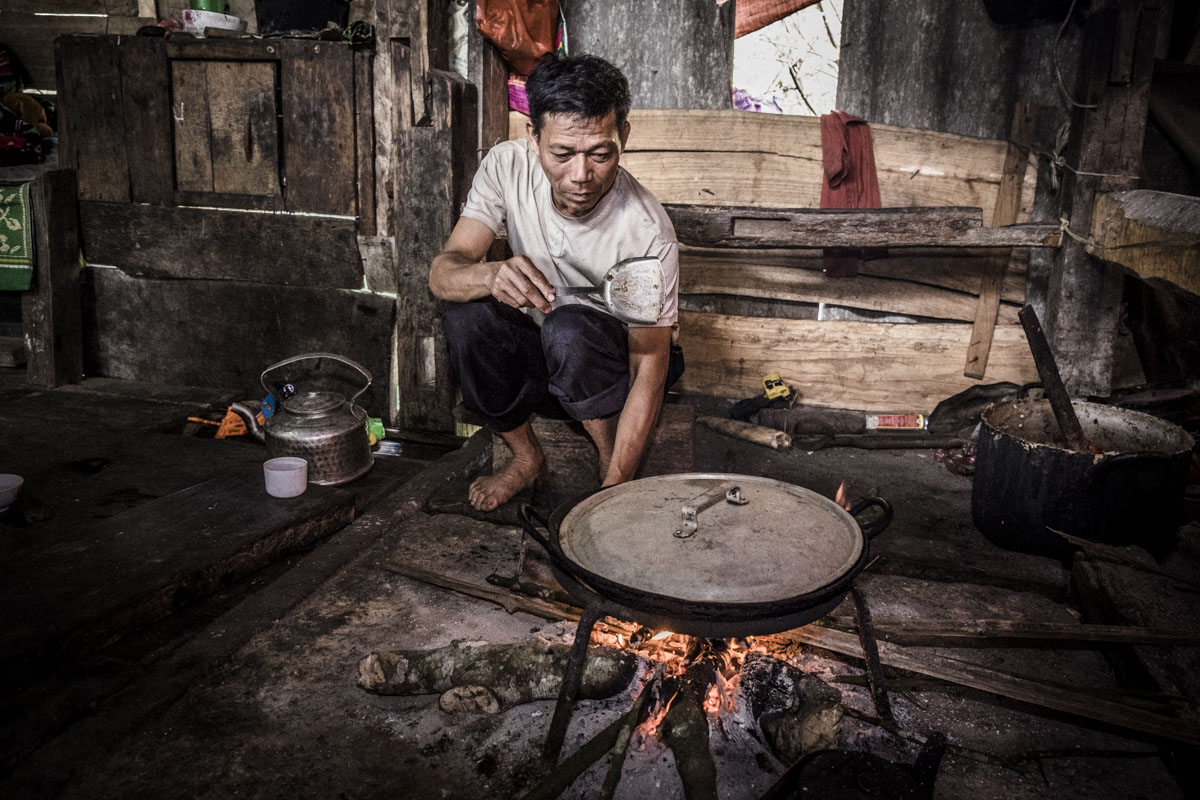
[[285, 477]]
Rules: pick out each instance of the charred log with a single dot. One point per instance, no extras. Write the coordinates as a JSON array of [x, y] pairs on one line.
[[491, 678], [797, 713], [685, 727]]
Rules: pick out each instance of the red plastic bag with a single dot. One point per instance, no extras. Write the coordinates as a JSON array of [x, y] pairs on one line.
[[522, 29]]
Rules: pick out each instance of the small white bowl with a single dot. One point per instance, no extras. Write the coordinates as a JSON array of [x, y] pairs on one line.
[[10, 487], [286, 476]]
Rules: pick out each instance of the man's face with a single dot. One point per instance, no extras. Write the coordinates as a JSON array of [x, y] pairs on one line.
[[580, 158]]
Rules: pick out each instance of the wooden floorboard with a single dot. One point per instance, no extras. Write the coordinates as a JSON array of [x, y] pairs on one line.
[[90, 589]]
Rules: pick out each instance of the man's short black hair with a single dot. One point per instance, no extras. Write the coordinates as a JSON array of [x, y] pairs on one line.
[[587, 87]]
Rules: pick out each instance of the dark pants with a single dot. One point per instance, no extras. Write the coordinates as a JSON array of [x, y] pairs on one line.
[[576, 366]]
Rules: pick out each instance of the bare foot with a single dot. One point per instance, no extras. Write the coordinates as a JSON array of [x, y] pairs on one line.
[[488, 492]]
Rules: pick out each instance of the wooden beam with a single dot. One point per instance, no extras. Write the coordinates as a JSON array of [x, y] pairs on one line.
[[1153, 234], [434, 167], [146, 92], [1080, 704], [30, 37], [1009, 633], [742, 226], [812, 286], [742, 158], [488, 71], [214, 49], [364, 142], [121, 8], [862, 365], [957, 270], [223, 332], [173, 242], [677, 54], [1083, 300], [92, 119], [1007, 208], [51, 311]]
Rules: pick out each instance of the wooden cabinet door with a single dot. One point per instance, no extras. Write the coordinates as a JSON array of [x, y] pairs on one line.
[[226, 123]]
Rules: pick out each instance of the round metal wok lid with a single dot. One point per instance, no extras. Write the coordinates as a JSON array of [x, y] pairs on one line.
[[712, 538]]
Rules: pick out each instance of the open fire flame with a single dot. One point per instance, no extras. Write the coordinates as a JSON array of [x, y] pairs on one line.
[[669, 651], [649, 727], [840, 497]]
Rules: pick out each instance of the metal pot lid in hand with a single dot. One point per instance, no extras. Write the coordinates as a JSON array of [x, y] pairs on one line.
[[713, 538]]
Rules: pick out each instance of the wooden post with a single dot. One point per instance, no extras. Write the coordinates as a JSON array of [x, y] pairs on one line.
[[488, 71], [675, 53], [426, 141], [420, 27], [1084, 297], [1008, 203], [50, 310], [436, 158]]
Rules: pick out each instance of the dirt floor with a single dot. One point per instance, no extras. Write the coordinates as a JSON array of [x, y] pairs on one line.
[[253, 692]]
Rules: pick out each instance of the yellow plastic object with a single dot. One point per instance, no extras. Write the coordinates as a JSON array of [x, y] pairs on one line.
[[773, 386]]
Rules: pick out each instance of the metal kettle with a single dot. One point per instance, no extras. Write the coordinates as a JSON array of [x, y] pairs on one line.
[[320, 427]]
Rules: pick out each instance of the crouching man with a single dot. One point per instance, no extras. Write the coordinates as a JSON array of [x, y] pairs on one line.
[[571, 213]]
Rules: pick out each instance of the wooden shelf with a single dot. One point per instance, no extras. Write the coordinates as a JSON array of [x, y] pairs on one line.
[[746, 226]]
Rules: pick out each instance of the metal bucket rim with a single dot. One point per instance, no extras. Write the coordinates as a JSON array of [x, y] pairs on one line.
[[1168, 429]]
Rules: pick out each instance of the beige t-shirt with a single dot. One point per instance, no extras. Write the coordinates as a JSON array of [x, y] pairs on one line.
[[511, 190]]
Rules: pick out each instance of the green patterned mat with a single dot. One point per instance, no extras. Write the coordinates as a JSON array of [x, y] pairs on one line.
[[16, 243]]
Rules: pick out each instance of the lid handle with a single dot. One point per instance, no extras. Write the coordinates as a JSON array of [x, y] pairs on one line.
[[691, 509]]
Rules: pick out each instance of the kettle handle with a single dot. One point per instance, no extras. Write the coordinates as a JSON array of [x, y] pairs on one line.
[[263, 378]]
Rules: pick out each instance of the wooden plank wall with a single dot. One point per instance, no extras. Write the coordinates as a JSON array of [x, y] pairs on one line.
[[946, 66], [167, 134], [744, 159], [675, 53], [28, 29], [873, 366], [169, 138], [717, 158]]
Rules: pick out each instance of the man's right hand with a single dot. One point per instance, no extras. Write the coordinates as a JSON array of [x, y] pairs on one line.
[[460, 274], [518, 283]]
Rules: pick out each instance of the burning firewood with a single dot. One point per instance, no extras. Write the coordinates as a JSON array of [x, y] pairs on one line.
[[796, 712], [476, 676], [684, 728]]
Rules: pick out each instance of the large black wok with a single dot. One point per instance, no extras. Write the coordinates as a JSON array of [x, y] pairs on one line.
[[703, 554], [648, 598]]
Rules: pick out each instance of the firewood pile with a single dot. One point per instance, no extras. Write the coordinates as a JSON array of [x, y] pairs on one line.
[[680, 689]]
